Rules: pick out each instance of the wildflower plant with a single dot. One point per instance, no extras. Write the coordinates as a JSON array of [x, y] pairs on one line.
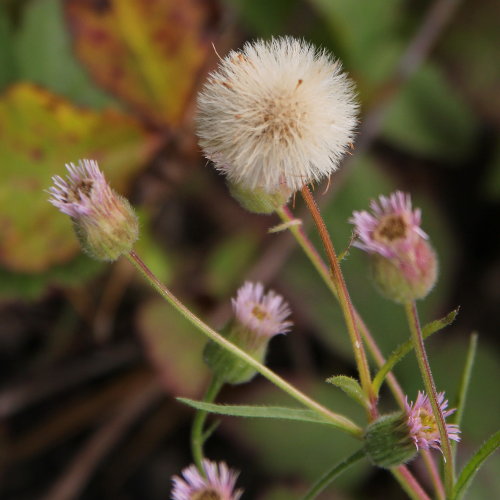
[[275, 117]]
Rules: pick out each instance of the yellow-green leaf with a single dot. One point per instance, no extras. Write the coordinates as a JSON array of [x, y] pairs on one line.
[[147, 52], [39, 133]]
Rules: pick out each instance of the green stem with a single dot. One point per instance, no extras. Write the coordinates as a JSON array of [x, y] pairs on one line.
[[197, 438], [322, 269], [430, 387], [332, 474], [344, 301], [339, 421], [409, 483]]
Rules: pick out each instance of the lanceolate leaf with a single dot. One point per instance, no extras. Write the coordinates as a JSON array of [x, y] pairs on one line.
[[401, 351], [439, 324], [258, 411], [330, 475], [351, 387], [473, 465]]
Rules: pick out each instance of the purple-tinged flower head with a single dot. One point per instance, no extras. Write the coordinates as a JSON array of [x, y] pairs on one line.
[[264, 313], [395, 439], [257, 317], [104, 221], [423, 426], [391, 229], [217, 483], [404, 263]]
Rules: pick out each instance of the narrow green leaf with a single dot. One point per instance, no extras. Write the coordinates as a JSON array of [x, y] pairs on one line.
[[439, 324], [465, 380], [351, 387], [403, 349], [258, 411], [473, 465], [329, 476]]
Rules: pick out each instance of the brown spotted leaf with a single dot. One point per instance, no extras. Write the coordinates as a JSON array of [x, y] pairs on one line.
[[147, 52], [39, 133]]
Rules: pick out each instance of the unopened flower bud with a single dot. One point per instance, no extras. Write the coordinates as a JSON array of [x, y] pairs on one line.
[[257, 318], [104, 221], [388, 442], [404, 264]]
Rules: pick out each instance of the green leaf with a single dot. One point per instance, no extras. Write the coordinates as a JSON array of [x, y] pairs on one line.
[[439, 324], [351, 387], [228, 262], [8, 67], [473, 465], [465, 380], [329, 476], [40, 132], [30, 286], [258, 411], [263, 17], [149, 53], [428, 118], [44, 56], [366, 35], [402, 350]]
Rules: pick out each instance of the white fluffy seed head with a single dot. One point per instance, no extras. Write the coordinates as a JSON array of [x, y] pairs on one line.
[[276, 113]]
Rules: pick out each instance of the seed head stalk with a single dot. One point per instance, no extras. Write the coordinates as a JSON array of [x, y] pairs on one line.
[[402, 473], [320, 266], [344, 301], [430, 387]]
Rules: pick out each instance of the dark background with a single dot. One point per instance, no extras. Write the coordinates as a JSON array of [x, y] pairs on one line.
[[91, 360]]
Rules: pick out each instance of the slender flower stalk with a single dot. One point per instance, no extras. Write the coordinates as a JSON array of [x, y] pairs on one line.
[[434, 474], [434, 397], [409, 483], [315, 258], [197, 438], [344, 301], [337, 420]]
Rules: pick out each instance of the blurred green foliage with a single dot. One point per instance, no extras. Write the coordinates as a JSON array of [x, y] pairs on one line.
[[116, 81]]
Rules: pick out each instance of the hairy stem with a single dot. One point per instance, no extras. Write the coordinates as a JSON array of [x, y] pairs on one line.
[[344, 301], [435, 476], [339, 421], [322, 269], [430, 387], [409, 483]]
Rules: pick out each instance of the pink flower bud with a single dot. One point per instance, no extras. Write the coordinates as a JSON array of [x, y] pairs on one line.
[[104, 221], [404, 263]]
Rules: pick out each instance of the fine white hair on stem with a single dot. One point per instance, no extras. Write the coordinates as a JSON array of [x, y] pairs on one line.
[[278, 112]]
